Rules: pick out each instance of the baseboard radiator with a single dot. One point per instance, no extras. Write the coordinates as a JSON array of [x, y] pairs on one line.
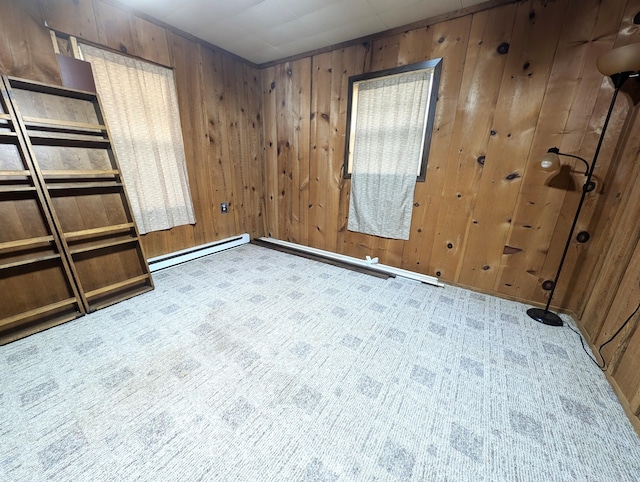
[[178, 257], [368, 263]]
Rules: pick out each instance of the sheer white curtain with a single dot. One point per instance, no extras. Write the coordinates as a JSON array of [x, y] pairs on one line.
[[389, 137], [141, 107]]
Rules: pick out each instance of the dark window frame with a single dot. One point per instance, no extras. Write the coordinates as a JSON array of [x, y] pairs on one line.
[[436, 65]]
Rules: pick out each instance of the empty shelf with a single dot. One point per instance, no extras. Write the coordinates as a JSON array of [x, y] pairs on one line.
[[89, 233], [26, 243], [106, 244], [24, 262], [116, 286]]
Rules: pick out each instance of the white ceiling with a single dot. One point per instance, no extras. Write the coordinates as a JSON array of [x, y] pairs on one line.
[[265, 30]]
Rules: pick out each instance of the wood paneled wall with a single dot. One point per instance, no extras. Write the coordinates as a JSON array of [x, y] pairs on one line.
[[485, 218], [219, 101]]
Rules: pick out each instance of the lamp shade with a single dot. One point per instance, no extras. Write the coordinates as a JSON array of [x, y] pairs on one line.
[[621, 59], [550, 162]]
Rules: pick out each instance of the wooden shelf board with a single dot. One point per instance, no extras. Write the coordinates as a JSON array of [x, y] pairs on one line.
[[107, 244], [116, 286], [26, 243], [130, 294], [35, 86], [42, 140], [16, 188], [8, 136], [7, 173], [18, 333], [14, 335], [5, 116], [24, 262], [62, 124], [37, 311], [71, 173], [88, 233], [84, 185]]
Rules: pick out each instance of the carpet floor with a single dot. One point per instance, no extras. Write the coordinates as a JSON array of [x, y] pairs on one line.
[[254, 365]]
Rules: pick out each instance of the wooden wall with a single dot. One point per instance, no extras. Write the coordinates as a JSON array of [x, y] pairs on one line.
[[218, 95], [484, 218]]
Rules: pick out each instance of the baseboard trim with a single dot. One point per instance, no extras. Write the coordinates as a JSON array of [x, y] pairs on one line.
[[179, 257], [381, 268]]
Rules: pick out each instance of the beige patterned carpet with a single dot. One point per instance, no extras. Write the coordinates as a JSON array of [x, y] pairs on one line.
[[254, 365]]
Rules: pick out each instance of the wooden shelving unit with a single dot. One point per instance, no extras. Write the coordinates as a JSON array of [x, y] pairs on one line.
[[69, 243]]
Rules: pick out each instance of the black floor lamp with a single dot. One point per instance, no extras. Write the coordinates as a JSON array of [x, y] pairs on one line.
[[620, 64]]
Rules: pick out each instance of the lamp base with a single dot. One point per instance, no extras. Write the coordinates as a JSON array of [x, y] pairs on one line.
[[545, 317]]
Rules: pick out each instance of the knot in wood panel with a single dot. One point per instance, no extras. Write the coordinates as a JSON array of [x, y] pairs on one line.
[[583, 237], [503, 48], [510, 250]]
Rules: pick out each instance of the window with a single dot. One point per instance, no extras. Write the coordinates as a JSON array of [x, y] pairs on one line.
[[141, 107], [390, 117], [389, 125]]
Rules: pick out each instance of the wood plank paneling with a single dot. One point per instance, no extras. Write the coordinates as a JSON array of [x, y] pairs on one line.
[[319, 157], [337, 121], [270, 150], [114, 27], [531, 52], [221, 178], [479, 92], [622, 355], [72, 17], [26, 49], [252, 135], [475, 216], [562, 123], [285, 149], [617, 246], [449, 39], [601, 270], [568, 292], [355, 62], [151, 41]]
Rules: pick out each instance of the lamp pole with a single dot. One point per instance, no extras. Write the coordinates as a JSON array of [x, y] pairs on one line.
[[545, 316]]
